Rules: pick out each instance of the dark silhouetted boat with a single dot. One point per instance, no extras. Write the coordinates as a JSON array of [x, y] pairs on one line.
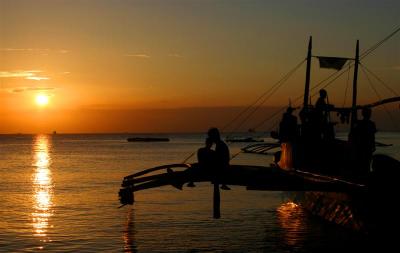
[[246, 139], [320, 174], [148, 139]]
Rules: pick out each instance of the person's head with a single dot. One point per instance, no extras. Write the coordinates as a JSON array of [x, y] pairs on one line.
[[290, 110], [213, 134], [366, 113], [323, 93], [209, 142]]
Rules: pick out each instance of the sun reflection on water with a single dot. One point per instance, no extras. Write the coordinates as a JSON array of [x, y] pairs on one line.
[[42, 187], [128, 233], [291, 219]]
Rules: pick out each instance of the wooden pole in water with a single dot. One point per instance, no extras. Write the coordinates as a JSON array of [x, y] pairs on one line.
[[217, 202]]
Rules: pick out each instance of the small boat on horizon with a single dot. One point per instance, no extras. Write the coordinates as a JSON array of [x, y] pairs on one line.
[[148, 139], [245, 139]]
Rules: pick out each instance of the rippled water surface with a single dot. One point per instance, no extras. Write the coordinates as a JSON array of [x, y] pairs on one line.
[[58, 193]]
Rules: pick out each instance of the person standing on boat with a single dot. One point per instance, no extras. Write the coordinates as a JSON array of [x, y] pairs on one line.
[[222, 156], [322, 109], [363, 139], [288, 137], [288, 126]]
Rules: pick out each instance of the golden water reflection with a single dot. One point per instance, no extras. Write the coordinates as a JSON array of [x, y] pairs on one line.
[[291, 219], [42, 187], [128, 233]]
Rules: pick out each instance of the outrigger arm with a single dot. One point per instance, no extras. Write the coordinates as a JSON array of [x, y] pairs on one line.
[[252, 177]]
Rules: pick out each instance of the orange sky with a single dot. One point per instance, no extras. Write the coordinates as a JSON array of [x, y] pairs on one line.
[[172, 66]]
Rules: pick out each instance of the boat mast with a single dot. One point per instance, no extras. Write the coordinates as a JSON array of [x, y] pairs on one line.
[[307, 86], [354, 100]]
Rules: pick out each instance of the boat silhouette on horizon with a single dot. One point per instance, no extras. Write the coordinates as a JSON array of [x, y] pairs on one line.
[[148, 139]]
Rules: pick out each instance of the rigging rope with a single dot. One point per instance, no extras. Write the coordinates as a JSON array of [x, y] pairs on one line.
[[347, 86], [379, 98], [380, 80], [282, 81], [378, 44], [267, 93]]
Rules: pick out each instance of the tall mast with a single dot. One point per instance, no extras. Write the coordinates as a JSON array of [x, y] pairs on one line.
[[307, 86], [354, 101]]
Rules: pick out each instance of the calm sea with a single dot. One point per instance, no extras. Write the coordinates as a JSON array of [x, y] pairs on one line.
[[59, 193]]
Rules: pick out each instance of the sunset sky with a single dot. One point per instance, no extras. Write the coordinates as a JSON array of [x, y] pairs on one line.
[[176, 65]]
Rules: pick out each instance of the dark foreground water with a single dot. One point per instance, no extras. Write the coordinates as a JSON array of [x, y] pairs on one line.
[[58, 193]]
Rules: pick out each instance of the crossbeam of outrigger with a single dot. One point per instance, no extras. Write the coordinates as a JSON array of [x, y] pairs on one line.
[[252, 177]]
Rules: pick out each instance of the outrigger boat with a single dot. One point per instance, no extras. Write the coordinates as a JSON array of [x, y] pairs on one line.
[[320, 175]]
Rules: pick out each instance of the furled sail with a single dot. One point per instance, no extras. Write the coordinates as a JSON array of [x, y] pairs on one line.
[[331, 62]]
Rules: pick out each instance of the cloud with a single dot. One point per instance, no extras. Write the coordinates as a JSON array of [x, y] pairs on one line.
[[175, 55], [23, 89], [23, 49], [37, 78], [27, 74], [43, 51], [138, 55], [19, 73]]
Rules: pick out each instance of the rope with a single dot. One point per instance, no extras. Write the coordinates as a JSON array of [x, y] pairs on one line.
[[380, 98], [278, 112], [347, 86], [380, 80], [378, 44], [259, 106], [271, 90], [267, 93], [188, 157]]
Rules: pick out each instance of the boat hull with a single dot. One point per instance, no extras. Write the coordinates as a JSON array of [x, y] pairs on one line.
[[344, 209]]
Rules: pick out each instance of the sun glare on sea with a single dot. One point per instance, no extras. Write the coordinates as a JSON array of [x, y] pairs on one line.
[[42, 99]]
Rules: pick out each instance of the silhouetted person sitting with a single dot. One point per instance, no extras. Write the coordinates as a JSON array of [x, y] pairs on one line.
[[288, 126], [322, 109], [363, 139], [206, 158], [222, 156]]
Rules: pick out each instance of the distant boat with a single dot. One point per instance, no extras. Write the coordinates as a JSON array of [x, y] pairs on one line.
[[246, 139], [148, 139]]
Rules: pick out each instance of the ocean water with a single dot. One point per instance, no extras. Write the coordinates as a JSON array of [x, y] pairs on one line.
[[59, 193]]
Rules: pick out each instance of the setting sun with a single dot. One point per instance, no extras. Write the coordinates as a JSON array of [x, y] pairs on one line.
[[42, 100]]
